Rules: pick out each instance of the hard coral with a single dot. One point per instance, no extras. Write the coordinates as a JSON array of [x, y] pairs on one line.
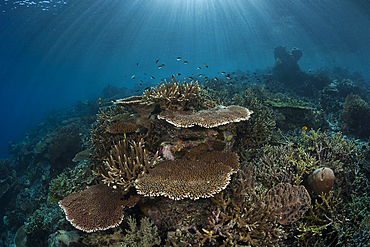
[[209, 118], [290, 202], [196, 177], [321, 180], [138, 105], [97, 208], [126, 161], [174, 95], [355, 116]]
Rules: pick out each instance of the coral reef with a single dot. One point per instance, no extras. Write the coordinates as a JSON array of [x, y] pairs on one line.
[[125, 163], [290, 202], [321, 180], [70, 181], [355, 116], [174, 95], [97, 208], [196, 177], [144, 235], [209, 118]]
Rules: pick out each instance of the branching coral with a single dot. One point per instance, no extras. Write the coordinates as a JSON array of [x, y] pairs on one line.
[[126, 161], [101, 140], [174, 95]]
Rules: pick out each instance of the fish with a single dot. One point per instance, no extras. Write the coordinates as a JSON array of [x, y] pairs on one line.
[[199, 68], [179, 74], [310, 70], [156, 62], [160, 66], [146, 88], [223, 72], [137, 63], [144, 73], [304, 128], [200, 75], [358, 156], [99, 98], [228, 76], [133, 77], [152, 77], [178, 58], [214, 84], [191, 78], [185, 62], [207, 66]]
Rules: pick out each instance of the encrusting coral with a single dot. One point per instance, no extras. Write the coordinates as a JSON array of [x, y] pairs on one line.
[[196, 177], [97, 208], [209, 118]]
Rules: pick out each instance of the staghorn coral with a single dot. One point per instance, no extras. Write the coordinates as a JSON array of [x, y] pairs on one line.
[[209, 118], [242, 217], [146, 235], [96, 208], [126, 161], [199, 176], [274, 166], [290, 202], [174, 96]]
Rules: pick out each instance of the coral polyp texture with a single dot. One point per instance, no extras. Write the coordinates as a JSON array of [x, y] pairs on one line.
[[209, 118], [173, 95], [97, 208], [201, 176], [289, 201], [126, 161]]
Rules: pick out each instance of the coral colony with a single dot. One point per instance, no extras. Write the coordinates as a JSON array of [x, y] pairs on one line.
[[278, 158]]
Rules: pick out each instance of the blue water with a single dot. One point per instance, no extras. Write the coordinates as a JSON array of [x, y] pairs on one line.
[[54, 53]]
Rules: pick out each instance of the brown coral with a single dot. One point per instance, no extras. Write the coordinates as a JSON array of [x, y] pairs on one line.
[[321, 180], [126, 161], [174, 95], [290, 202], [97, 208], [209, 118], [200, 176], [121, 128]]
